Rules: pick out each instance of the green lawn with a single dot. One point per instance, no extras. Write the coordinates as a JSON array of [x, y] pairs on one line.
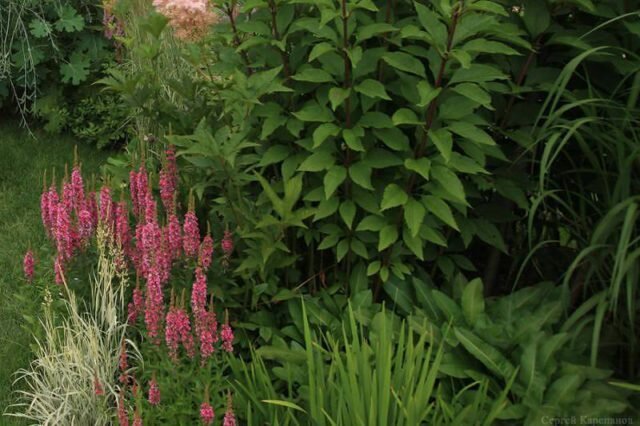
[[23, 160]]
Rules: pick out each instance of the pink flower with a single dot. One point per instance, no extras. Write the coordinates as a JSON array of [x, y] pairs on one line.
[[91, 204], [174, 236], [154, 309], [206, 413], [63, 233], [68, 197], [150, 208], [142, 188], [123, 233], [52, 209], [169, 181], [178, 330], [85, 225], [106, 213], [58, 268], [98, 390], [137, 419], [154, 392], [135, 306], [124, 366], [226, 334], [190, 19], [191, 235], [27, 265], [77, 187], [123, 417], [206, 252], [227, 243], [229, 416], [207, 329], [199, 292]]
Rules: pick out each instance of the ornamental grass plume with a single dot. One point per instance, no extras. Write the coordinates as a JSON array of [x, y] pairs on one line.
[[154, 391], [28, 265]]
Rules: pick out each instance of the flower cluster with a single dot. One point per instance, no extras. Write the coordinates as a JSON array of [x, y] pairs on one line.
[[28, 265], [190, 19]]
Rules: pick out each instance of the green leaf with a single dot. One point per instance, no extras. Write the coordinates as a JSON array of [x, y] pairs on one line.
[[431, 23], [405, 116], [485, 353], [536, 17], [69, 21], [442, 139], [282, 403], [480, 45], [323, 131], [471, 132], [427, 93], [422, 166], [321, 160], [404, 62], [393, 196], [373, 89], [352, 138], [319, 50], [388, 236], [449, 182], [371, 223], [376, 120], [473, 301], [39, 28], [360, 173], [337, 95], [490, 234], [274, 154], [488, 6], [366, 32], [475, 93], [414, 213], [393, 138], [441, 210], [313, 75], [333, 179], [348, 212], [373, 268], [313, 112], [415, 243], [478, 73], [76, 70]]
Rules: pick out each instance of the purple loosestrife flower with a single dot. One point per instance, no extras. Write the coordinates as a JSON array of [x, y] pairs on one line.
[[28, 265]]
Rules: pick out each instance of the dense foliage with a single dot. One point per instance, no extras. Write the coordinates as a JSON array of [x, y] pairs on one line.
[[449, 186]]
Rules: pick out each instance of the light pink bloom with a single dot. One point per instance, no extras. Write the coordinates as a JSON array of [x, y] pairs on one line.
[[199, 292], [53, 200], [229, 416], [27, 265], [174, 236], [206, 413], [77, 187], [178, 330], [154, 307], [85, 225], [136, 306], [63, 233]]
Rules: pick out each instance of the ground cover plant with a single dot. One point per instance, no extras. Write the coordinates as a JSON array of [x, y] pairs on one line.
[[355, 212]]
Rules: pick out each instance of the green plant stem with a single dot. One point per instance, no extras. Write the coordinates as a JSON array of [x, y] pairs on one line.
[[236, 37], [276, 35]]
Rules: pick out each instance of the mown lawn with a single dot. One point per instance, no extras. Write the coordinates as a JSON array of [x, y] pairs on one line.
[[23, 160]]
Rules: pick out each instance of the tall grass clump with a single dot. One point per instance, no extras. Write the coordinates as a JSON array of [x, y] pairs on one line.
[[72, 377], [586, 157]]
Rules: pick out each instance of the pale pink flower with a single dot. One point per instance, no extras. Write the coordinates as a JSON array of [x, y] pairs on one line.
[[174, 236], [63, 232], [136, 306], [199, 292], [190, 19], [178, 330], [154, 308], [206, 413], [85, 225], [53, 201], [28, 265]]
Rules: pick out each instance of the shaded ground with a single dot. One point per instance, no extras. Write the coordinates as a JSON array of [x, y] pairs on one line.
[[22, 163]]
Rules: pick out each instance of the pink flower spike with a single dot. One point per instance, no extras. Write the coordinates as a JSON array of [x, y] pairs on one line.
[[58, 267], [174, 236], [199, 292], [206, 252], [133, 190], [44, 211], [137, 418], [206, 413], [77, 186], [28, 265], [98, 390], [191, 236], [226, 334], [123, 416], [107, 211], [229, 416], [154, 392]]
